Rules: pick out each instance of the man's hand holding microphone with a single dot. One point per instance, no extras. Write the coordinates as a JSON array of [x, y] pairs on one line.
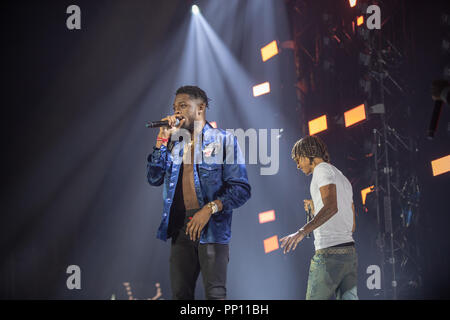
[[291, 241], [309, 206], [166, 131]]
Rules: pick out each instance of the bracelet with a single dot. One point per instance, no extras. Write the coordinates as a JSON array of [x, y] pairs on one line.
[[162, 139]]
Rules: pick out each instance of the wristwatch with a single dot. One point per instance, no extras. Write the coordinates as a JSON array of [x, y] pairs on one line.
[[213, 206]]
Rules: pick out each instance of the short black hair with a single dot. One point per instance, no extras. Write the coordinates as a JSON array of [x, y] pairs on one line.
[[310, 147], [195, 93]]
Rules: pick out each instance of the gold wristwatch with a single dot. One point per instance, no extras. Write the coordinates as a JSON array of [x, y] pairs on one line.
[[213, 206]]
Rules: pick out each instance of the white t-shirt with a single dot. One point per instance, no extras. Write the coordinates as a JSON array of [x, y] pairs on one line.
[[338, 229]]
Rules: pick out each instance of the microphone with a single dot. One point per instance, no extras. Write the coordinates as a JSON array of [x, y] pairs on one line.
[[163, 123], [435, 118], [308, 219]]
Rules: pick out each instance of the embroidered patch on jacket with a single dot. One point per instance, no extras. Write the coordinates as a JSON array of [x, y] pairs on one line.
[[211, 149]]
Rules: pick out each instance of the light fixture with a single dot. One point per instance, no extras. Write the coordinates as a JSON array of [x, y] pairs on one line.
[[355, 115], [195, 9], [317, 125], [261, 89], [269, 50], [441, 165], [266, 216]]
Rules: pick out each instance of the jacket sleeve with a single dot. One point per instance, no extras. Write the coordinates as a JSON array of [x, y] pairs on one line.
[[236, 189], [156, 166]]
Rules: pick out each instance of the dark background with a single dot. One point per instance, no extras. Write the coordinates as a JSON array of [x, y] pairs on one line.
[[74, 148]]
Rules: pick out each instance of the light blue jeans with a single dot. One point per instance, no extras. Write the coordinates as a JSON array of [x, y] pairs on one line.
[[333, 275]]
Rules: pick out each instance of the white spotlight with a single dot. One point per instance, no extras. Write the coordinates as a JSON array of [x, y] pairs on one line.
[[195, 9]]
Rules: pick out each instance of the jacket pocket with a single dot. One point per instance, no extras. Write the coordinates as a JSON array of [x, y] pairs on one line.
[[210, 172]]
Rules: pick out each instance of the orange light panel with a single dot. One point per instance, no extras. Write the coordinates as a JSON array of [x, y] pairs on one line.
[[261, 89], [352, 3], [267, 216], [364, 193], [355, 115], [360, 21], [441, 165], [269, 51], [271, 244], [213, 124], [318, 125]]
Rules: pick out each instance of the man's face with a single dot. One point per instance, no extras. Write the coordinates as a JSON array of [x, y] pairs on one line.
[[187, 108], [304, 164]]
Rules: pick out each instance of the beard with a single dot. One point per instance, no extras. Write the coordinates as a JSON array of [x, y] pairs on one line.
[[188, 124]]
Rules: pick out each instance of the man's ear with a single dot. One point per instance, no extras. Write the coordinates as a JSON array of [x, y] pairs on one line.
[[201, 108]]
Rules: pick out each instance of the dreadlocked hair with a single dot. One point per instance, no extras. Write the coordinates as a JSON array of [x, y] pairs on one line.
[[310, 147]]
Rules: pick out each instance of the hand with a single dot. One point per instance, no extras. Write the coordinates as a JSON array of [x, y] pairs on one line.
[[437, 87], [290, 242], [165, 132], [311, 204], [198, 222]]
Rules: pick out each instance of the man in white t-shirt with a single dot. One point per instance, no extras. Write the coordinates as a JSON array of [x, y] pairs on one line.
[[333, 269]]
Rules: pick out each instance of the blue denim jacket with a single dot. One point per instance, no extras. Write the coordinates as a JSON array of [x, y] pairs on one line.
[[219, 173]]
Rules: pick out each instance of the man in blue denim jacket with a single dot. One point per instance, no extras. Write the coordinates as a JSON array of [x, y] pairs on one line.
[[204, 179]]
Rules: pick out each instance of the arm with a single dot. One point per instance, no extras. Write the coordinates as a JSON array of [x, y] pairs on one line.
[[440, 90], [329, 199], [156, 165], [156, 161], [236, 189]]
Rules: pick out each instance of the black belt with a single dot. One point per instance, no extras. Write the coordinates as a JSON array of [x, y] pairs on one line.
[[347, 244]]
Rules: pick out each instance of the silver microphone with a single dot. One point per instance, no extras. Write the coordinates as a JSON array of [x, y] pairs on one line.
[[308, 219]]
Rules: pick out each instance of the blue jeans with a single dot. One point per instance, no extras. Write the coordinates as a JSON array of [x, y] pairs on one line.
[[333, 275]]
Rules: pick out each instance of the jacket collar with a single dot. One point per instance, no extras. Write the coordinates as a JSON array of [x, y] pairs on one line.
[[211, 137]]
